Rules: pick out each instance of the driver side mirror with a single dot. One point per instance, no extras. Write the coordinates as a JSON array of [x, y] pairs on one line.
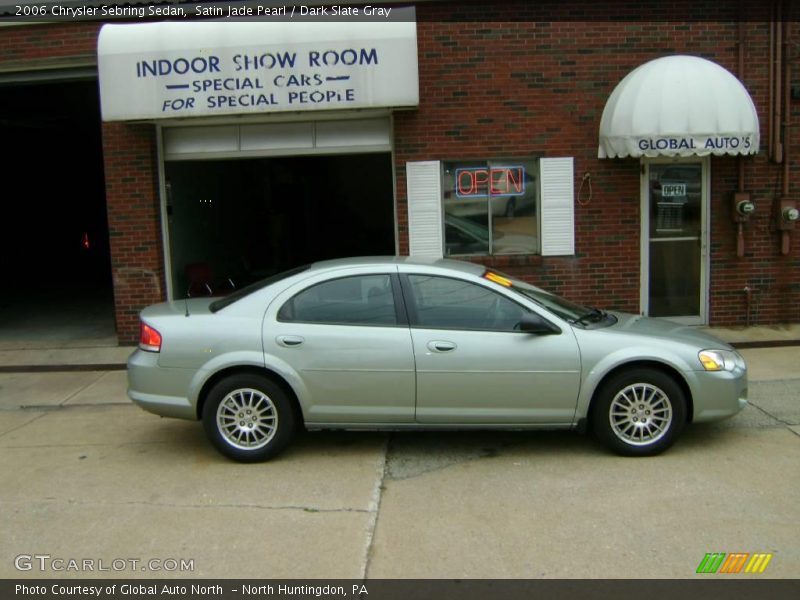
[[533, 323]]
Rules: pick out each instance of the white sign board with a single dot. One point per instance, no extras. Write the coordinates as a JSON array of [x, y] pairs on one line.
[[671, 190], [169, 70]]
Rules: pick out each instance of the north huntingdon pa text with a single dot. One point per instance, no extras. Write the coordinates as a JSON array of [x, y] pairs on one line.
[[358, 589]]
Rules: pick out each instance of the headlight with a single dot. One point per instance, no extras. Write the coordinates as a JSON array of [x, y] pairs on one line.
[[721, 360]]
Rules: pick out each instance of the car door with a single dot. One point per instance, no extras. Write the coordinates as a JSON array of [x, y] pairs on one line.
[[350, 348], [475, 366]]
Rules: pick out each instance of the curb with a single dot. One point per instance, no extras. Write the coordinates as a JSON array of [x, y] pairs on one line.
[[765, 344], [61, 368]]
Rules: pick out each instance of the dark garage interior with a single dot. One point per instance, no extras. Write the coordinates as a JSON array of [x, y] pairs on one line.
[[54, 243], [246, 219]]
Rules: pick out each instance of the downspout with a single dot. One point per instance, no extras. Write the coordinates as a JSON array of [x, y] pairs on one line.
[[741, 78], [740, 158], [777, 121], [748, 299], [785, 235], [771, 85]]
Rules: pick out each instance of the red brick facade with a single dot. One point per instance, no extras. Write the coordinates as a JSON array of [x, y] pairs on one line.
[[526, 80], [537, 87], [134, 222], [23, 45]]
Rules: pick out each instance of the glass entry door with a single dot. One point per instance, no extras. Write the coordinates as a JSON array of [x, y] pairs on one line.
[[674, 226]]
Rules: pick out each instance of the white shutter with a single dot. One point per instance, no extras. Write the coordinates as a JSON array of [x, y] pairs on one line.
[[424, 186], [558, 206]]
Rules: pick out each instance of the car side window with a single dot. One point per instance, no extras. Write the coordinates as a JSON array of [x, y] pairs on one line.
[[445, 303], [358, 300]]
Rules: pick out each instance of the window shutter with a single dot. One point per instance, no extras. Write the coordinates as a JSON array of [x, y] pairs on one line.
[[424, 185], [558, 206]]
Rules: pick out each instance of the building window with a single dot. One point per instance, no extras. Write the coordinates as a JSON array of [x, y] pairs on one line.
[[490, 207]]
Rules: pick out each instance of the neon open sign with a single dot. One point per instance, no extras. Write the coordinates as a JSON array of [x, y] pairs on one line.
[[480, 182]]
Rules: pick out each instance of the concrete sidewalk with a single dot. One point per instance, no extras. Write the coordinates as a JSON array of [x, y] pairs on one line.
[[758, 335], [87, 475], [103, 358]]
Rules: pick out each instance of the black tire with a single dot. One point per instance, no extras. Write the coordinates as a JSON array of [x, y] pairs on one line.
[[647, 426], [251, 436]]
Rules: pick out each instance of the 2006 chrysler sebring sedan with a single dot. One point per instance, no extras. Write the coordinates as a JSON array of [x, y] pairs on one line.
[[396, 343]]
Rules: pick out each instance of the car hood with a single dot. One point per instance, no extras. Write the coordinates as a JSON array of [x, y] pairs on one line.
[[663, 328]]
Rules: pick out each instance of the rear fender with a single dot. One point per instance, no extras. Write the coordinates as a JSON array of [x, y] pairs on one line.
[[248, 359]]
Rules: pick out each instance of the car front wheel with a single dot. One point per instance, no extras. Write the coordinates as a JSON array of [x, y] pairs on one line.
[[248, 418], [639, 412]]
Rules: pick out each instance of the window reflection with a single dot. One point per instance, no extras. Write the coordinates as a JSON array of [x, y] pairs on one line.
[[675, 197], [443, 303], [491, 207], [675, 254], [362, 300]]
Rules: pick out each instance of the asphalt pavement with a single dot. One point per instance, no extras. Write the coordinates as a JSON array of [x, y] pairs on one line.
[[91, 480]]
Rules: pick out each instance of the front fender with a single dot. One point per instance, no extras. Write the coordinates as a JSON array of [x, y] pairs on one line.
[[597, 367]]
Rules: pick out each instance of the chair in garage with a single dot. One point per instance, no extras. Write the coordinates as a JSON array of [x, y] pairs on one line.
[[202, 281]]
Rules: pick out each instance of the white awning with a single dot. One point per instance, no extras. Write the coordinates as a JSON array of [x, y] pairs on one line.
[[678, 106]]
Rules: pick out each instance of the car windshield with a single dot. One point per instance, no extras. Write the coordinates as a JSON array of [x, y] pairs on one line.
[[566, 309], [254, 287]]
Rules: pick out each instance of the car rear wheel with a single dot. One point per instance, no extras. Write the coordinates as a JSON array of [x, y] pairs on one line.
[[248, 418], [639, 412]]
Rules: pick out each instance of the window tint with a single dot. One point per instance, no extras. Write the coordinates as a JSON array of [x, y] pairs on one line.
[[363, 300], [453, 304]]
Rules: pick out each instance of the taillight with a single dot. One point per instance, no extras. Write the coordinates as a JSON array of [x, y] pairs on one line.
[[149, 339]]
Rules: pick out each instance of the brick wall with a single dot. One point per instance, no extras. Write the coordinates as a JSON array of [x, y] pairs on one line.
[[526, 84], [47, 41], [134, 222], [512, 79]]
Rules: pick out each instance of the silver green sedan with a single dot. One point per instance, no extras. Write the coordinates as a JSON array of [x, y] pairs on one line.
[[397, 343]]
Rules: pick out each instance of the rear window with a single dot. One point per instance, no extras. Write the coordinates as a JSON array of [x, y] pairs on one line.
[[254, 287], [355, 300]]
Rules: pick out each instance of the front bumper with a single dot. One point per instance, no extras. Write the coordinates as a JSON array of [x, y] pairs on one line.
[[718, 394]]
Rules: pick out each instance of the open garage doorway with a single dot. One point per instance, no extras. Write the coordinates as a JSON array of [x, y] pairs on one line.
[[56, 266], [232, 222]]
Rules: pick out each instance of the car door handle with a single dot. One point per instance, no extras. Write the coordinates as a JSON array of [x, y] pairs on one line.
[[441, 346], [289, 341]]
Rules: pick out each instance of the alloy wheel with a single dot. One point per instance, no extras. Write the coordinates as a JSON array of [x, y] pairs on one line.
[[247, 419], [640, 414]]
